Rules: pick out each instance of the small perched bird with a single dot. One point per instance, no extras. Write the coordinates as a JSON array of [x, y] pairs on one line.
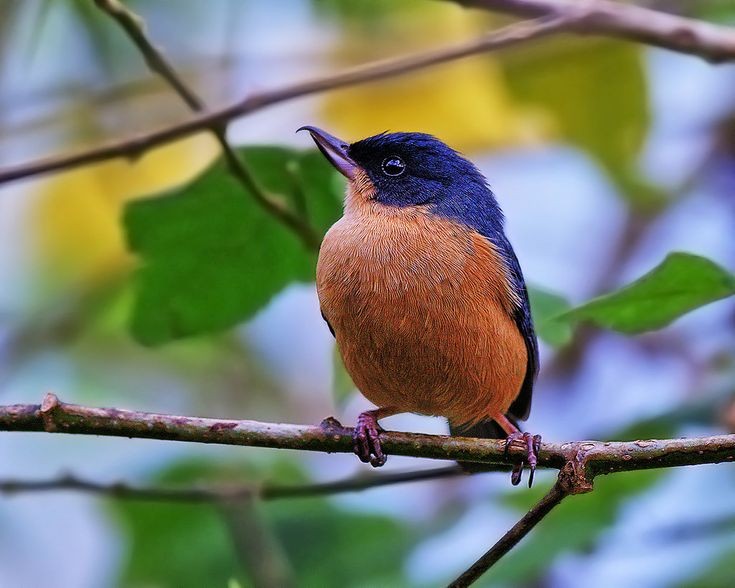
[[423, 292]]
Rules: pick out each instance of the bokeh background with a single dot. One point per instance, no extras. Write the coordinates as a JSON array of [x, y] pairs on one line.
[[605, 157]]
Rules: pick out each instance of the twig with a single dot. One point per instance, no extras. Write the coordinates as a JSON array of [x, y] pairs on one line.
[[134, 146], [626, 21], [604, 18], [275, 206], [512, 537], [593, 457], [237, 492]]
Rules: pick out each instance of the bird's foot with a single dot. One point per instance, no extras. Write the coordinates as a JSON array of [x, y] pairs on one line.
[[532, 445], [366, 439]]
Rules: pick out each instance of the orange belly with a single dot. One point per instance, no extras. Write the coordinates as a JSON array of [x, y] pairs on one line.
[[421, 309]]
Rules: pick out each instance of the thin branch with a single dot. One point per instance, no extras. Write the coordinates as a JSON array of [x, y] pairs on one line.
[[512, 537], [209, 494], [606, 18], [603, 18], [591, 457], [358, 483], [133, 27], [135, 146]]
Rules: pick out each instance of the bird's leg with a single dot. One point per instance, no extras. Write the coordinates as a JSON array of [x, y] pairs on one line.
[[366, 437], [532, 444]]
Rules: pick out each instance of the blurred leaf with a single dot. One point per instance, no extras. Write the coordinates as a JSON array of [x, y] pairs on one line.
[[211, 257], [466, 103], [369, 12], [593, 94], [721, 574], [681, 283], [179, 545], [573, 526], [717, 10], [80, 207], [176, 545], [545, 307], [342, 384], [331, 547]]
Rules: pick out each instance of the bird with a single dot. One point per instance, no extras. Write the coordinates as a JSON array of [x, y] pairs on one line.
[[424, 294]]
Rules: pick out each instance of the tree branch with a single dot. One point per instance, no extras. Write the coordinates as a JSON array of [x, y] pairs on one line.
[[579, 462], [513, 536], [135, 146], [221, 493], [590, 458], [627, 21], [599, 17], [273, 205]]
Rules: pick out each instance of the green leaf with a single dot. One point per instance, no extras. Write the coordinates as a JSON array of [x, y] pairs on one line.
[[681, 283], [717, 10], [720, 574], [184, 545], [333, 547], [545, 308], [592, 94], [211, 257]]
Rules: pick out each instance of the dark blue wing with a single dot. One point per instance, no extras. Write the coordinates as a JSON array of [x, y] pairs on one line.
[[522, 316]]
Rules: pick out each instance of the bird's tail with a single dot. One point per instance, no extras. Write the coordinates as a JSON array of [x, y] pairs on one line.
[[483, 430]]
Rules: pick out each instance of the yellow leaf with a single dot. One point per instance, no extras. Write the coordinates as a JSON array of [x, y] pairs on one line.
[[465, 103], [76, 216]]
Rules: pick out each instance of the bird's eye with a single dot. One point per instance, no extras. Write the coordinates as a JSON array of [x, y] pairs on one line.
[[393, 166]]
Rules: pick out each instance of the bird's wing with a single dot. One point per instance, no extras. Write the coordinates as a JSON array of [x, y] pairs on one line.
[[331, 330], [522, 317]]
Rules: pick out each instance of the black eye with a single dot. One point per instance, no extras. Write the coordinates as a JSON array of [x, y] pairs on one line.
[[393, 166]]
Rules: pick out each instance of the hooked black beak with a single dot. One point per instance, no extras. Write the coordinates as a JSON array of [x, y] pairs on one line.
[[334, 149]]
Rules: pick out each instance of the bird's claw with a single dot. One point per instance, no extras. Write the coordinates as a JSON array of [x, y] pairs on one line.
[[366, 439], [532, 445]]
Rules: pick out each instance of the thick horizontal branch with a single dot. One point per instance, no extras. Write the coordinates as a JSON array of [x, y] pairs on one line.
[[627, 21], [135, 146], [586, 458]]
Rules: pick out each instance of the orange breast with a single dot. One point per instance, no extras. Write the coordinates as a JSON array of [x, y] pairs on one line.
[[421, 310]]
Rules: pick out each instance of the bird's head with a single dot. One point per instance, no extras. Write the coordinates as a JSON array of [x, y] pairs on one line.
[[409, 170]]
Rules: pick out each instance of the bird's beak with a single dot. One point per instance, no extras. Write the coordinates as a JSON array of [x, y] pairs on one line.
[[334, 149]]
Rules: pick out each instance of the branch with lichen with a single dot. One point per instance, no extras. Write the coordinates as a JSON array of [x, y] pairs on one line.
[[578, 462], [587, 458]]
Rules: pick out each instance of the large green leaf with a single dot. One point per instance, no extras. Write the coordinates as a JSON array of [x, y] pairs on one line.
[[681, 283], [211, 257]]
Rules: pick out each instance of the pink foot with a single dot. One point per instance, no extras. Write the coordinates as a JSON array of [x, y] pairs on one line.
[[532, 444], [367, 440]]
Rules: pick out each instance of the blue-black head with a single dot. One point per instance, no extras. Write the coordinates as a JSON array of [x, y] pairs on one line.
[[415, 169]]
